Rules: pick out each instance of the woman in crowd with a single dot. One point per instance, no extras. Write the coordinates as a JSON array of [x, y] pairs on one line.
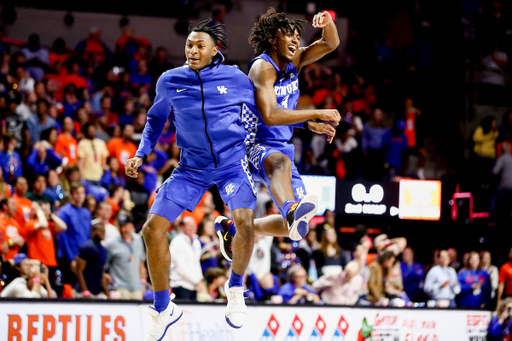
[[209, 244], [441, 283], [492, 270], [475, 285], [484, 139], [379, 270], [329, 257], [500, 326]]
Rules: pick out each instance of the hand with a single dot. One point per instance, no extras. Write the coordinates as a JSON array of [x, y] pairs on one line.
[[504, 315], [35, 271], [108, 278], [321, 19], [323, 128], [300, 291], [132, 165], [476, 286], [329, 115], [445, 284]]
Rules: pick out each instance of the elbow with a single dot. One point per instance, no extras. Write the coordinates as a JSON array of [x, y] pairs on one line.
[[334, 45]]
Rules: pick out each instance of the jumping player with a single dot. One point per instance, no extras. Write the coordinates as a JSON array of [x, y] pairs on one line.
[[274, 73], [206, 98]]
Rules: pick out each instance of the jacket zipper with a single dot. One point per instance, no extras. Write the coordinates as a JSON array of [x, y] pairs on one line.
[[205, 122]]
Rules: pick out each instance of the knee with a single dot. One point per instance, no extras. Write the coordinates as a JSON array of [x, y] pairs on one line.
[[151, 232], [281, 163], [245, 228]]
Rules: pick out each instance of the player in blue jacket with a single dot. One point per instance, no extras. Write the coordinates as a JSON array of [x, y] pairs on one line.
[[274, 73], [206, 99]]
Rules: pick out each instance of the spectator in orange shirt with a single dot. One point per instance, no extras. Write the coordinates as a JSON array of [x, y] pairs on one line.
[[505, 279], [66, 145], [74, 76], [5, 191], [40, 237], [115, 197], [122, 147], [12, 233], [24, 205], [205, 206], [106, 109]]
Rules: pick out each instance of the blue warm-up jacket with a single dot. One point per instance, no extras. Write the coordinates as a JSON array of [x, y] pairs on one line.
[[207, 108]]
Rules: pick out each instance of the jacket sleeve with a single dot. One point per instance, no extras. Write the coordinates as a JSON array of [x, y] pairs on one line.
[[486, 290], [431, 287], [374, 285], [157, 116], [495, 327]]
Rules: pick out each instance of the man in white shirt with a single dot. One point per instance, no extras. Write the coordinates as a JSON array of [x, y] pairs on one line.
[[104, 213], [185, 275]]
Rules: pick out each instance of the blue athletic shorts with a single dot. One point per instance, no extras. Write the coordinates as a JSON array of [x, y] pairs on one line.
[[259, 152], [186, 186]]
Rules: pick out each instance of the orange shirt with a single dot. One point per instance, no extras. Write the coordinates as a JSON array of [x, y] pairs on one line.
[[40, 244], [506, 277], [7, 191], [23, 211], [122, 151], [67, 146], [410, 128], [115, 208], [9, 229]]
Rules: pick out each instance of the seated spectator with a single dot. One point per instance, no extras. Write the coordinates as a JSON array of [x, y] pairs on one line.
[[75, 75], [360, 254], [185, 271], [125, 260], [37, 58], [340, 288], [28, 107], [441, 283], [141, 78], [78, 220], [10, 160], [492, 270], [66, 145], [32, 281], [296, 290], [412, 274], [112, 175], [475, 284], [90, 262], [215, 280], [307, 246], [122, 147], [70, 102], [379, 270], [10, 230], [23, 80], [40, 237], [43, 159], [127, 116], [93, 50], [38, 191], [500, 327], [209, 244], [36, 124], [269, 284], [329, 258], [92, 155]]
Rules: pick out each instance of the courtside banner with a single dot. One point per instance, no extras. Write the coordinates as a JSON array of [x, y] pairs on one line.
[[110, 321]]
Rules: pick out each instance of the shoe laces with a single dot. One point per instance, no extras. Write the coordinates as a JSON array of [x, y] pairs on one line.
[[236, 297]]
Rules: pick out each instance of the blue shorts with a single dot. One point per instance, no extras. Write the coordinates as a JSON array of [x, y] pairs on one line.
[[186, 186], [257, 155]]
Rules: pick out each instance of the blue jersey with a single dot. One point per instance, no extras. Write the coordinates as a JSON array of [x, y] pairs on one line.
[[207, 107], [287, 93]]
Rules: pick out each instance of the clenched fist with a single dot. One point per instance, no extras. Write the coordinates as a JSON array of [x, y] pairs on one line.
[[132, 165]]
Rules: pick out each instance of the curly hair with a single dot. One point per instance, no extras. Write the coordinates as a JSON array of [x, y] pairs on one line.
[[267, 26], [215, 32]]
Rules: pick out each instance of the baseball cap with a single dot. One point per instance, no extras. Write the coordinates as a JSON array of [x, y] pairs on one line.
[[20, 257], [124, 219]]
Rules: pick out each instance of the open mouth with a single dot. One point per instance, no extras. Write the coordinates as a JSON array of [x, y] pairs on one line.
[[194, 60], [292, 49]]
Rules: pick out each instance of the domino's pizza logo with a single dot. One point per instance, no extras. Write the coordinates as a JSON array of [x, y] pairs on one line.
[[318, 330], [271, 330], [341, 330], [295, 330]]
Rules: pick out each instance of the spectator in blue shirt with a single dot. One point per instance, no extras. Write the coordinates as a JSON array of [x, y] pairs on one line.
[[78, 220], [141, 77], [41, 160], [111, 175], [475, 284], [10, 160], [500, 327], [412, 274], [36, 124], [395, 142], [90, 262], [371, 143], [297, 291]]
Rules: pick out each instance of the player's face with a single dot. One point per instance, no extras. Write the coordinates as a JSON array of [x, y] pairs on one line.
[[286, 44], [199, 50]]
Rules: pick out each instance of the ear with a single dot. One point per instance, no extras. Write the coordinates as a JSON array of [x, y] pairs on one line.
[[215, 50]]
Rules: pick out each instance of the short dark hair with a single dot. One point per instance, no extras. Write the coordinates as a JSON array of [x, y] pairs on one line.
[[86, 126], [386, 255], [267, 26], [4, 202], [112, 189], [42, 100], [15, 180], [215, 32], [75, 185]]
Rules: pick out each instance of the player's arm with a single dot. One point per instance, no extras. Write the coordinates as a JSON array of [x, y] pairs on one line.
[[157, 116], [263, 76], [328, 43]]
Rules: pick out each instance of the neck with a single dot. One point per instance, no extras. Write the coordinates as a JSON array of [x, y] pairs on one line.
[[96, 239], [127, 237], [281, 64]]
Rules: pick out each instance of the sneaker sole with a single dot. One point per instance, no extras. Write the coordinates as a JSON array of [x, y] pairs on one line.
[[303, 214], [170, 324], [231, 324]]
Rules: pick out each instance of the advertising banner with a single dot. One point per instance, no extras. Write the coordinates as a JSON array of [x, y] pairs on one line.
[[38, 320]]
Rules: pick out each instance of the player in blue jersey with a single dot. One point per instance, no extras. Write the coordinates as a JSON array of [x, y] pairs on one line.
[[206, 99], [274, 73]]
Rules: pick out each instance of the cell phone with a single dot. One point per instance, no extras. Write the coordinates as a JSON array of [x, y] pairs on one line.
[[509, 312], [41, 268]]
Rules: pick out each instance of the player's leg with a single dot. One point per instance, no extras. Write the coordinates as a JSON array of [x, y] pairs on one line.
[[165, 209], [278, 168]]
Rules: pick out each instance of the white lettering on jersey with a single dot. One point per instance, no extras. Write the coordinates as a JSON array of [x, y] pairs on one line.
[[222, 89], [288, 89], [229, 189]]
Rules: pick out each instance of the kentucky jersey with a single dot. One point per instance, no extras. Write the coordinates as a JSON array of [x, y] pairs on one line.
[[287, 93]]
